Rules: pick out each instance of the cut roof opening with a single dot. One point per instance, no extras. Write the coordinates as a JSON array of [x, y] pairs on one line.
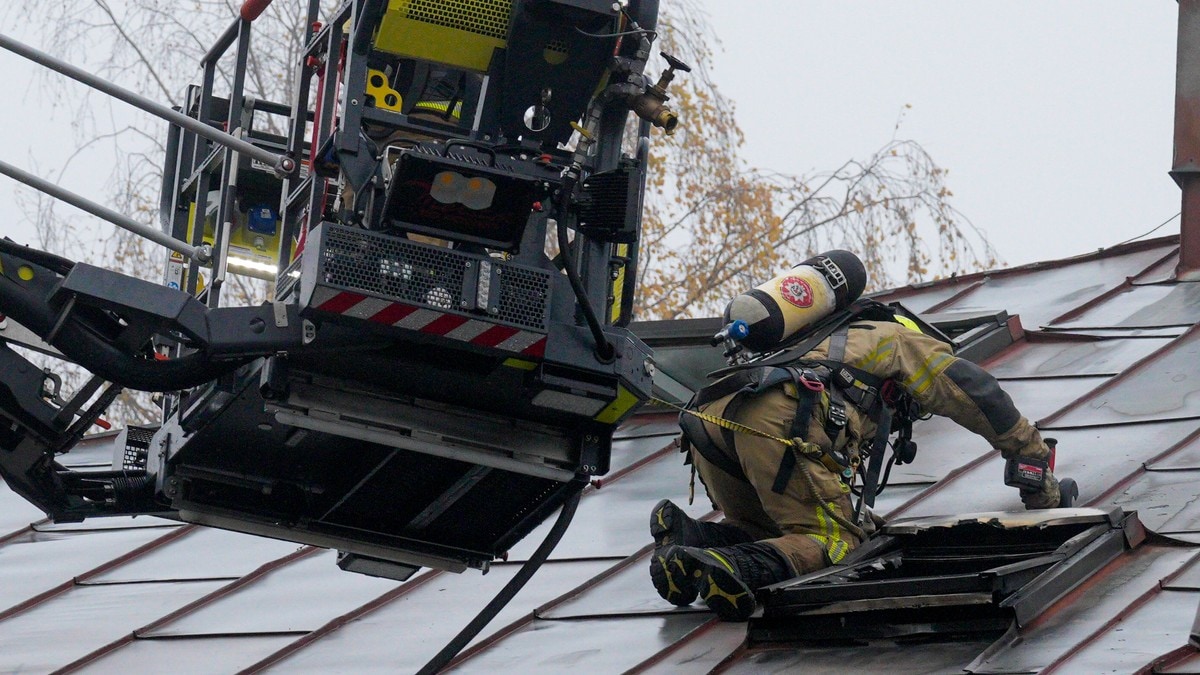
[[975, 573]]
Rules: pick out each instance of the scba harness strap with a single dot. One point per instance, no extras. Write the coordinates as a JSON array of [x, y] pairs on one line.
[[837, 380], [749, 383]]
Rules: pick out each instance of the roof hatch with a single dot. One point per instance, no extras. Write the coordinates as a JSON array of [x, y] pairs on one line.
[[948, 574]]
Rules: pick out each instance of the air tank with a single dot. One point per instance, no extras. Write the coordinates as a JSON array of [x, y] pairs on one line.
[[812, 290]]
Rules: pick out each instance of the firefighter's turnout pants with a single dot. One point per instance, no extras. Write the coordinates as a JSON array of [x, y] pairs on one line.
[[793, 520]]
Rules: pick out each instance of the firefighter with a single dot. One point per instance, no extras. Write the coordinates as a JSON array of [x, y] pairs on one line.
[[788, 508]]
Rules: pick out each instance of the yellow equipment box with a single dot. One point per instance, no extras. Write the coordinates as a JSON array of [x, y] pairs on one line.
[[458, 33], [253, 254]]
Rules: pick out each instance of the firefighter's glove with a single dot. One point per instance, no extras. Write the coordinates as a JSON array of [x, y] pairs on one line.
[[1038, 486]]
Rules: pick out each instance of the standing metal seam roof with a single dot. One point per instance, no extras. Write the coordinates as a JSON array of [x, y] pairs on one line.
[[1107, 365]]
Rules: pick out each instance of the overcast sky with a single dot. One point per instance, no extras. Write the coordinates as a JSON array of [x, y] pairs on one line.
[[1054, 117]]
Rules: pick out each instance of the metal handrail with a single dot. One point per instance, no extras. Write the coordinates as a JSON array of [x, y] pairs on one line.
[[282, 164], [201, 254]]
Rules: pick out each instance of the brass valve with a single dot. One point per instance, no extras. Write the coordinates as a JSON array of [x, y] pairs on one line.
[[652, 104]]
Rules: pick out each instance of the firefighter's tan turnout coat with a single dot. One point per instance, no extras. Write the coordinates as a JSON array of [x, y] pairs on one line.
[[800, 521]]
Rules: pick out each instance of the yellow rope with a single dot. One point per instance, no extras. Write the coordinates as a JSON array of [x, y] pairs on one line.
[[802, 446]]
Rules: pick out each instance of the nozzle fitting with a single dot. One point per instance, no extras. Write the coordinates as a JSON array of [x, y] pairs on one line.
[[651, 106]]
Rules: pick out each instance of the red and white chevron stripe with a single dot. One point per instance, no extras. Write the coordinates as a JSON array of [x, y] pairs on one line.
[[429, 321]]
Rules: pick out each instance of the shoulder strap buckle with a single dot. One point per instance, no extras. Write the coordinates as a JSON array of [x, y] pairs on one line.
[[837, 417]]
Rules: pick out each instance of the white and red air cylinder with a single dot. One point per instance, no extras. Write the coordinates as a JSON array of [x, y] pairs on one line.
[[805, 294]]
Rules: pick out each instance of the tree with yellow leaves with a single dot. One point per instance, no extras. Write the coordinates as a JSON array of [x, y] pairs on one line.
[[714, 227]]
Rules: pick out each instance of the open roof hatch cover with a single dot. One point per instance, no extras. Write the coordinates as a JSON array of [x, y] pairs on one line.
[[948, 574]]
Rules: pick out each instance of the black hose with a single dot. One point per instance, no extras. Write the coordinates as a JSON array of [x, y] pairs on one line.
[[508, 592], [604, 349], [81, 344], [106, 360], [629, 290], [48, 260], [887, 474]]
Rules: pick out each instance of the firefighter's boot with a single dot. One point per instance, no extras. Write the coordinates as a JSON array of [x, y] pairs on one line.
[[676, 577], [669, 524], [729, 576]]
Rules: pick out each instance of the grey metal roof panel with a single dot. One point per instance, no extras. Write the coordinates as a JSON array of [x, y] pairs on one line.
[[37, 562], [1042, 293], [94, 452], [1059, 356], [115, 523], [1152, 306], [85, 618], [1186, 578], [614, 520], [1037, 399], [634, 448], [648, 424], [15, 512], [1084, 614], [1161, 388], [202, 553], [1120, 333], [1185, 457], [1162, 272], [402, 635], [1185, 659], [626, 592], [586, 645], [1165, 501], [921, 299], [897, 495], [1098, 457], [188, 656], [1146, 633], [878, 657], [942, 445], [941, 448], [701, 651], [296, 598]]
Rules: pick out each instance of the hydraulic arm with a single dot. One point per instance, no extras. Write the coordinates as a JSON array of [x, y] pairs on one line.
[[449, 230]]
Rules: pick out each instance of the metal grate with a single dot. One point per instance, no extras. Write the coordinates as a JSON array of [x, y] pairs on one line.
[[522, 296], [556, 51], [137, 448], [417, 274], [482, 17], [608, 208], [487, 515]]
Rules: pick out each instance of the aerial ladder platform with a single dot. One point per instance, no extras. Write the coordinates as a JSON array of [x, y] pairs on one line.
[[449, 228]]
